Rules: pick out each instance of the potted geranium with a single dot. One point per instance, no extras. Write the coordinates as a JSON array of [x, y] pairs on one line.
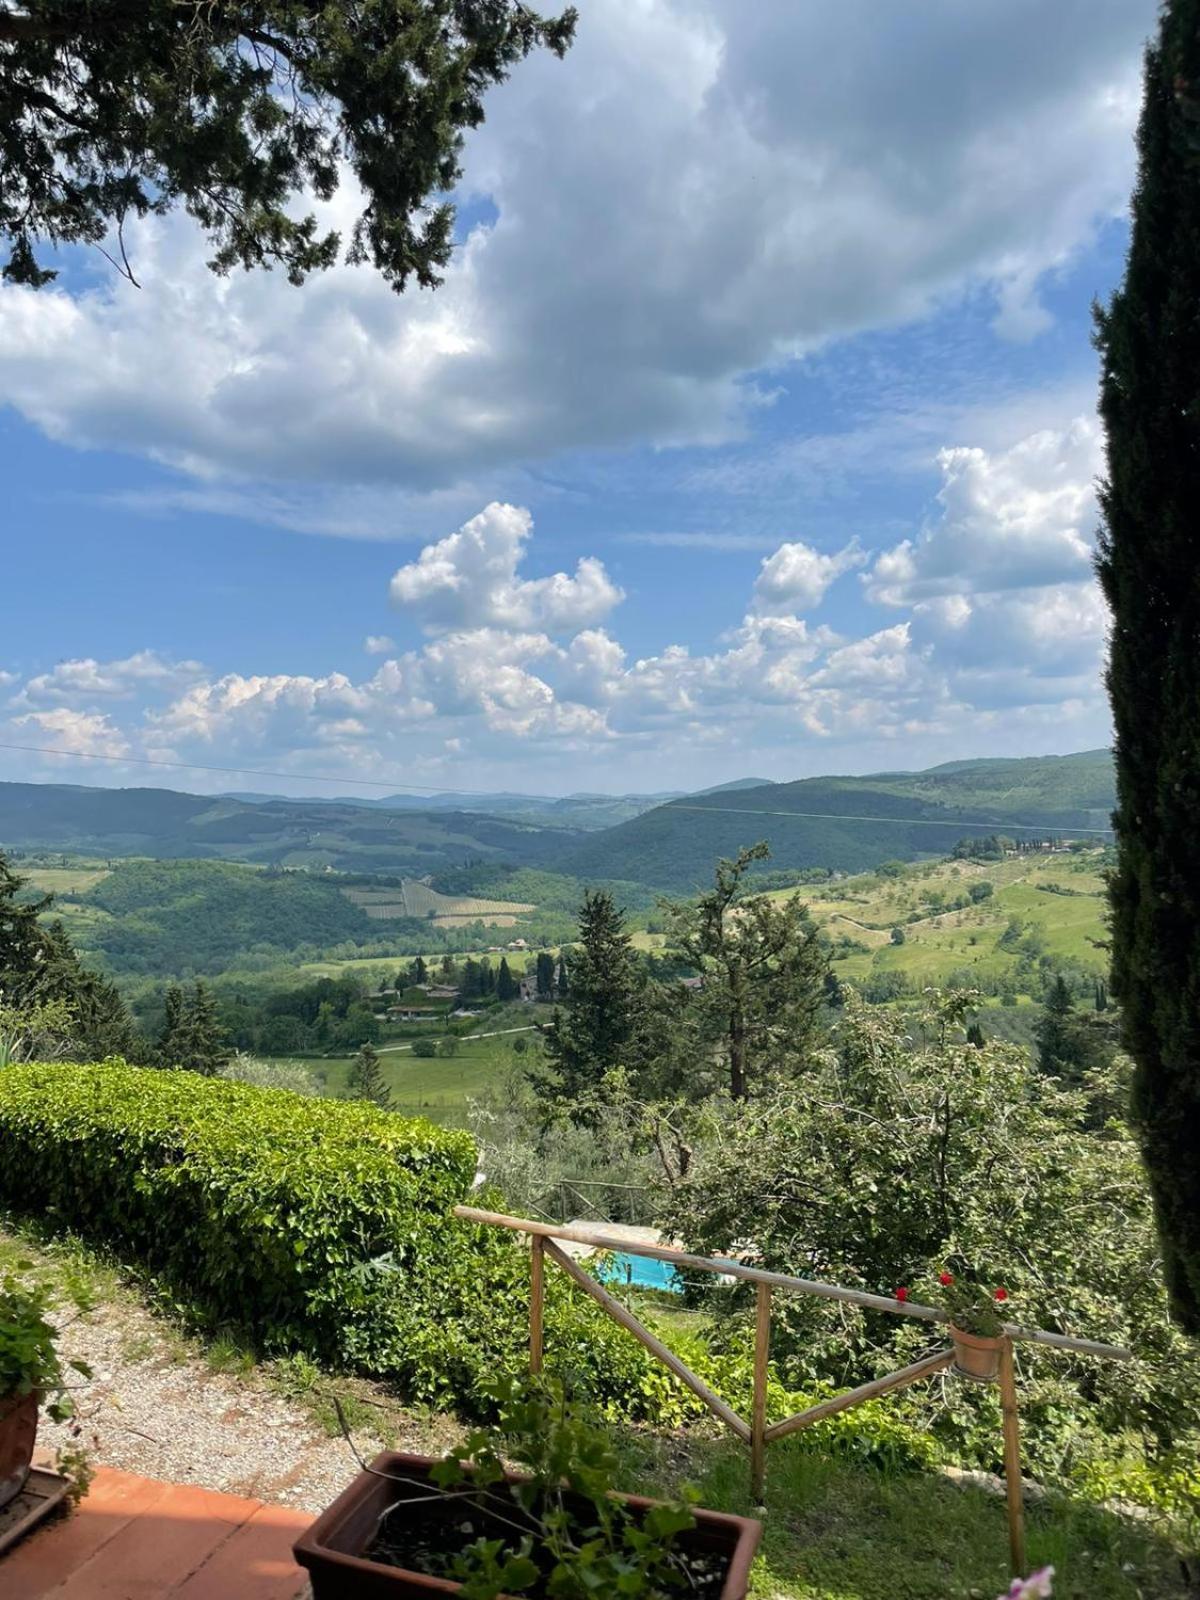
[[31, 1374], [525, 1509], [976, 1324]]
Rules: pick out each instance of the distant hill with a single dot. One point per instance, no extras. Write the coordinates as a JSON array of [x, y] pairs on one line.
[[850, 824], [588, 812], [349, 836]]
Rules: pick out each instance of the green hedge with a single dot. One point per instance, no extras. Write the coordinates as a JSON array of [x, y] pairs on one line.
[[325, 1226], [265, 1207], [308, 1224]]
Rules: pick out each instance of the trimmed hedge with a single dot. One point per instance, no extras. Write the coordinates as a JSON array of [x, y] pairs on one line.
[[314, 1225], [324, 1226], [265, 1207]]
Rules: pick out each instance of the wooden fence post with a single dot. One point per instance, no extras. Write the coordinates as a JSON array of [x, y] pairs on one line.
[[758, 1416], [537, 1298], [1012, 1460]]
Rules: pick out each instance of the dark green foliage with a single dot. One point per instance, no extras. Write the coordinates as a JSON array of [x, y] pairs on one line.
[[233, 109], [889, 1162], [975, 1036], [38, 963], [366, 1078], [306, 1224], [507, 987], [674, 846], [562, 1529], [545, 975], [758, 1010], [192, 1037], [1149, 565], [598, 1026]]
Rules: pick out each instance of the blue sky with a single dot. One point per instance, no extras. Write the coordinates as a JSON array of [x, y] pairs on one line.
[[752, 431]]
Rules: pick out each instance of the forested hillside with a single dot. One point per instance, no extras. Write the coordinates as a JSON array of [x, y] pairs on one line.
[[292, 833], [832, 822]]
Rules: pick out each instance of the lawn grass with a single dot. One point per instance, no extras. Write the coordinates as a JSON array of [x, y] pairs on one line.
[[841, 1530], [434, 1087]]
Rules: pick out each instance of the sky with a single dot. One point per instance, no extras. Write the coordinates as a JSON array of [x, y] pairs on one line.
[[751, 433]]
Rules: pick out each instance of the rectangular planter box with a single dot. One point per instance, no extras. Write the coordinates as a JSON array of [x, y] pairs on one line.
[[337, 1572]]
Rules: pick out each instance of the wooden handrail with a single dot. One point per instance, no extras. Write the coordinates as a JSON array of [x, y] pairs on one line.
[[597, 1239], [756, 1433]]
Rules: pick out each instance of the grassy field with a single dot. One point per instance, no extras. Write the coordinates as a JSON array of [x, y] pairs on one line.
[[436, 1088], [64, 880], [1058, 900], [416, 899]]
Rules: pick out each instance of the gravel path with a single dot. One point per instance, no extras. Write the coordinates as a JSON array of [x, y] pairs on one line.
[[154, 1406]]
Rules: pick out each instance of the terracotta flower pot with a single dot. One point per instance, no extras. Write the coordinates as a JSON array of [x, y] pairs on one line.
[[332, 1549], [976, 1355], [18, 1430]]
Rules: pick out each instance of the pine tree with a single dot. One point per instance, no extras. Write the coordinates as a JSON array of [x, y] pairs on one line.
[[170, 1040], [366, 1078], [595, 1029], [39, 964], [506, 985], [760, 1007], [545, 975], [1149, 565]]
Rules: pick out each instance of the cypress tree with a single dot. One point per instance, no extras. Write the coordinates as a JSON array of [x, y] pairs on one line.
[[506, 985], [366, 1078], [1149, 565]]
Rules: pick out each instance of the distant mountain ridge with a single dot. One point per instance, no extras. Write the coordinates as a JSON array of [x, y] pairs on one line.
[[845, 823], [851, 824]]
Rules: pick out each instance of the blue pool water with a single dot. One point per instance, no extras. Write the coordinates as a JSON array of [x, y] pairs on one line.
[[642, 1272]]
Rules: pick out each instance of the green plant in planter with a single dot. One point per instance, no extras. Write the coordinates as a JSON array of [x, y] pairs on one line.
[[30, 1363], [972, 1306], [563, 1532]]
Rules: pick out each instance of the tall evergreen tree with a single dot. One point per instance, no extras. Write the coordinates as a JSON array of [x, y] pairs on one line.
[[366, 1078], [760, 1006], [39, 964], [545, 975], [1149, 565], [506, 985], [1053, 1034], [192, 1037], [596, 1028]]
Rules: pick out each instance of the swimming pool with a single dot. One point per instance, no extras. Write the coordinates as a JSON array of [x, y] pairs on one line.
[[641, 1272]]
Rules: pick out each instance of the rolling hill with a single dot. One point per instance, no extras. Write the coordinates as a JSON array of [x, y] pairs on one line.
[[345, 835], [850, 824]]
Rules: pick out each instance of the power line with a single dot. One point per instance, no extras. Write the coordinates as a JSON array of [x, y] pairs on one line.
[[486, 794], [906, 822]]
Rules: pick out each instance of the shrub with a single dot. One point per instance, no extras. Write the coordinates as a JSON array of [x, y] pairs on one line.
[[313, 1226]]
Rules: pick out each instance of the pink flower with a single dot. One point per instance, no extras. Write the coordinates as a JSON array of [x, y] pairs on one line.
[[1035, 1587]]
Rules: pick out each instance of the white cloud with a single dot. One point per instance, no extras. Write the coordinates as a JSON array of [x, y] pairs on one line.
[[378, 644], [796, 577], [80, 732], [1009, 519], [695, 195], [85, 679], [470, 580]]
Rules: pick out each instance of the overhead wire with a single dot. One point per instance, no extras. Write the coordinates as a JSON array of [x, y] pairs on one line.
[[998, 825]]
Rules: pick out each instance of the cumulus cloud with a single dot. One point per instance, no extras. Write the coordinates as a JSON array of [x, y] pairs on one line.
[[378, 644], [796, 577], [470, 580], [81, 680], [696, 194], [1012, 519], [84, 733]]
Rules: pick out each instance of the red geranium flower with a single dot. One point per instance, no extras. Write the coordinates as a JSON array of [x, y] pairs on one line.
[[901, 1295], [945, 1279], [1001, 1293]]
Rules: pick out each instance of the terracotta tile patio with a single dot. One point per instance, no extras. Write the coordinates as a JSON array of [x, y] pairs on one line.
[[136, 1539]]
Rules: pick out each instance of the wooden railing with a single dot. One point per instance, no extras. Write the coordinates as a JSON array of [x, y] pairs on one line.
[[757, 1432]]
